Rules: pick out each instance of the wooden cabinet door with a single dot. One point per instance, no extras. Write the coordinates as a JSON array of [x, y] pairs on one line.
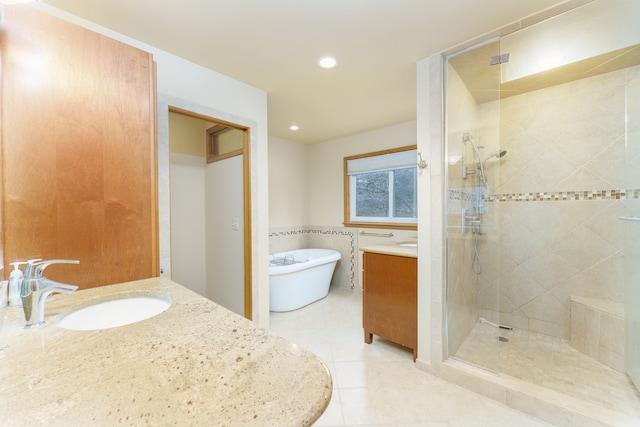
[[78, 150], [390, 298]]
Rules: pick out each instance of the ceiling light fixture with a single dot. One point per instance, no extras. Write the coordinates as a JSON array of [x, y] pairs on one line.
[[294, 127], [327, 62]]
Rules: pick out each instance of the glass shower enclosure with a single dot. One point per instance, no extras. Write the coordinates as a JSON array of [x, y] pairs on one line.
[[542, 204]]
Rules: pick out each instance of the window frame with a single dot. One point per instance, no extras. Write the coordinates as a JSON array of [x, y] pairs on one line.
[[212, 146], [348, 222]]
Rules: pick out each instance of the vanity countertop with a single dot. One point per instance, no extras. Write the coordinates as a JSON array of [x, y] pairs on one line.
[[197, 363], [392, 249]]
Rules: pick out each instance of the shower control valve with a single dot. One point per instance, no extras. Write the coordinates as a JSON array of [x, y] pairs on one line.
[[470, 221], [467, 171]]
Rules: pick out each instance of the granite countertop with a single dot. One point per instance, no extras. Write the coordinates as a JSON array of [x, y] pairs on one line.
[[196, 363], [393, 249]]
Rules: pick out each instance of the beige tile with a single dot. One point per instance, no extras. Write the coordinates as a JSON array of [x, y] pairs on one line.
[[559, 330], [519, 181], [514, 320], [603, 280], [606, 165], [550, 362], [383, 373], [583, 248], [578, 326], [581, 180], [592, 332], [332, 416], [531, 405], [548, 308], [526, 145], [551, 167], [611, 359], [378, 384], [582, 143], [519, 287], [550, 223], [612, 333], [577, 342]]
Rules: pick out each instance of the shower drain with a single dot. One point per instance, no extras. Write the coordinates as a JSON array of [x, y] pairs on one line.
[[503, 339]]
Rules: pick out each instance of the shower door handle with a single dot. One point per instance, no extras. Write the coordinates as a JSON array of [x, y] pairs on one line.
[[629, 218]]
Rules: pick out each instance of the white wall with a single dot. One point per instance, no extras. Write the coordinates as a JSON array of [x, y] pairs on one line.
[[430, 211], [224, 203], [288, 183], [186, 163], [326, 173], [306, 182], [187, 222], [183, 80]]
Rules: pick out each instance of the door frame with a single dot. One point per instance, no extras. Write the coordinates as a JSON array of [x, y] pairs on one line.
[[167, 104]]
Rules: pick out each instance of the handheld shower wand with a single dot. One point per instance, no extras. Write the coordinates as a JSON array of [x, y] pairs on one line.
[[498, 154], [482, 189], [466, 137]]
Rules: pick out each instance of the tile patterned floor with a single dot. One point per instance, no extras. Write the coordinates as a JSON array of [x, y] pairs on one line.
[[378, 384], [550, 362]]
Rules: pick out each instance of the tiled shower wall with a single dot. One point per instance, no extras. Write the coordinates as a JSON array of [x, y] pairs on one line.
[[339, 239], [552, 228]]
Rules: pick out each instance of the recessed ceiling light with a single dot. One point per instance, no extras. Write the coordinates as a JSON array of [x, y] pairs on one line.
[[294, 127], [327, 62]]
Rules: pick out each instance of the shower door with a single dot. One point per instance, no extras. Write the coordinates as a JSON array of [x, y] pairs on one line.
[[632, 233], [473, 156]]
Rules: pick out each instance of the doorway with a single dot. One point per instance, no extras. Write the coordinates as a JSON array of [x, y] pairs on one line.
[[210, 208]]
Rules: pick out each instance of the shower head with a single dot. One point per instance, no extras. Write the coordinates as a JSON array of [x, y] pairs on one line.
[[498, 154], [482, 172]]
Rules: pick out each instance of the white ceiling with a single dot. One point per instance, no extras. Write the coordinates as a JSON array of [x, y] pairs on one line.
[[274, 45]]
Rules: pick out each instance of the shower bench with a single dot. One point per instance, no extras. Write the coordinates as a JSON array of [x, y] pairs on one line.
[[597, 330]]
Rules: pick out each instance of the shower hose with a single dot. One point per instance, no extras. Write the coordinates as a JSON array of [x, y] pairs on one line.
[[476, 263]]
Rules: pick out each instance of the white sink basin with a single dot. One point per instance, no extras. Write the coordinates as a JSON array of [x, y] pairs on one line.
[[112, 312]]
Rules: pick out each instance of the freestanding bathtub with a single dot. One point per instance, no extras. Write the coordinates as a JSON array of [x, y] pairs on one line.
[[300, 277]]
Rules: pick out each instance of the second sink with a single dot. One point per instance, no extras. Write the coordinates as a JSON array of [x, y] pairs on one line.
[[112, 312]]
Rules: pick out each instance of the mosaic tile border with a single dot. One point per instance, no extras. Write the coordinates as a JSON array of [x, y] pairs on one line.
[[313, 230], [471, 196], [463, 195], [567, 196]]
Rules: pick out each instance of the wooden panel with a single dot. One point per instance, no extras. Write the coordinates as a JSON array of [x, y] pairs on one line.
[[79, 150], [390, 298]]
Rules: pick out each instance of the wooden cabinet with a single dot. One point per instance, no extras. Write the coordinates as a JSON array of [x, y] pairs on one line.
[[390, 299], [78, 150]]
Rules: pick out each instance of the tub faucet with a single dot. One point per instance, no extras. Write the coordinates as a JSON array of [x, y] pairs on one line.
[[36, 288]]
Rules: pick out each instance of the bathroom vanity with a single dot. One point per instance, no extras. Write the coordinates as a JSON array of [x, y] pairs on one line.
[[196, 363], [390, 294]]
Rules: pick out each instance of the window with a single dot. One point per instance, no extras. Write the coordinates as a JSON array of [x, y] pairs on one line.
[[381, 189], [224, 142]]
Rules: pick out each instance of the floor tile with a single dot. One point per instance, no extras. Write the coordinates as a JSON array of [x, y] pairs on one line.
[[550, 362], [378, 384]]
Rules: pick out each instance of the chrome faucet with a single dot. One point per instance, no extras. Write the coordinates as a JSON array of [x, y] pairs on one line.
[[36, 288]]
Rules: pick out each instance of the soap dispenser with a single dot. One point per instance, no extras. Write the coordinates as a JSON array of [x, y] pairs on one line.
[[15, 283]]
